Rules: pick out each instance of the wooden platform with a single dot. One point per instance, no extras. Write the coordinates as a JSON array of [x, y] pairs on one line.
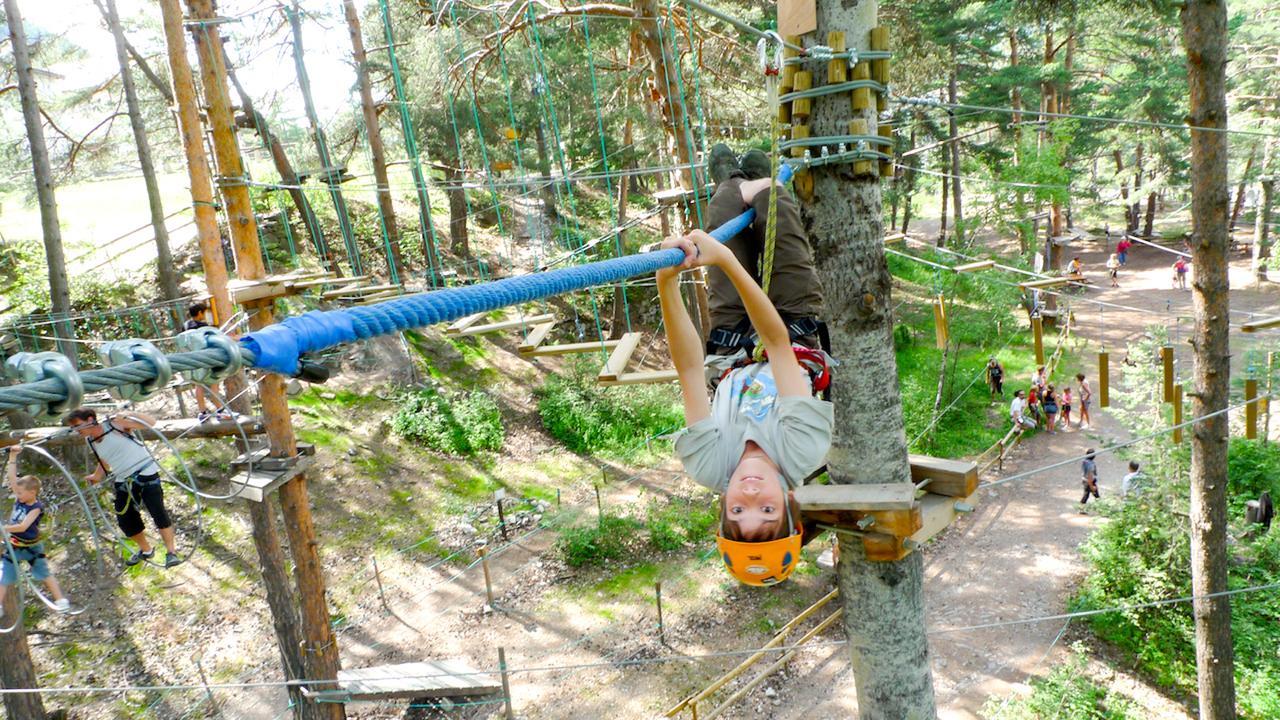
[[258, 484], [186, 428], [406, 681]]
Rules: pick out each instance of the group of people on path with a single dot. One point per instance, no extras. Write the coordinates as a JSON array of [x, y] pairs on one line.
[[1118, 259], [1042, 403]]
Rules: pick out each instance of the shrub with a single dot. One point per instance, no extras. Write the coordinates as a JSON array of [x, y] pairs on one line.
[[589, 418], [597, 543], [1068, 692], [673, 526], [454, 423]]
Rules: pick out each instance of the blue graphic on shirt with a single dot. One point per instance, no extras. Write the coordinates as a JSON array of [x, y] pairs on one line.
[[755, 394], [20, 512]]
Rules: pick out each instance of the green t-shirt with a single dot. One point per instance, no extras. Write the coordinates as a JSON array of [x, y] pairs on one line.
[[795, 432]]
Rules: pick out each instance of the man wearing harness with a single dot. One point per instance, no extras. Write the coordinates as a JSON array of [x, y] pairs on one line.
[[136, 476]]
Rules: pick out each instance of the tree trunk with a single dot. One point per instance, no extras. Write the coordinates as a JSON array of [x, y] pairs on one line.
[[952, 126], [377, 154], [329, 173], [165, 267], [909, 183], [59, 289], [666, 86], [1262, 231], [544, 169], [1204, 35], [621, 320], [1129, 221], [17, 671], [426, 224], [1148, 228], [284, 168], [459, 242], [1136, 214], [1244, 177], [946, 193], [883, 603]]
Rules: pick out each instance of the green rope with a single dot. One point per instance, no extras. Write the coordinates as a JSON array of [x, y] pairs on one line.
[[771, 225], [430, 244], [604, 155], [684, 131], [699, 93]]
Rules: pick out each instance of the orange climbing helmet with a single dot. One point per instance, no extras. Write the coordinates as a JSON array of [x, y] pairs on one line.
[[762, 563]]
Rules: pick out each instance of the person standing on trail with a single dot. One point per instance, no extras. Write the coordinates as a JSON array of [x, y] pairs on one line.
[[1066, 407], [1089, 478], [1180, 269], [1086, 397], [995, 377], [1050, 404], [1122, 251], [1113, 269]]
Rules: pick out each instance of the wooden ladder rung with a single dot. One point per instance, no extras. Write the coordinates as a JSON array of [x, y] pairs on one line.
[[618, 360], [571, 348], [505, 325], [464, 323], [650, 377], [535, 338]]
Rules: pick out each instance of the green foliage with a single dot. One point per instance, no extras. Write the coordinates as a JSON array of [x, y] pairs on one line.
[[1068, 692], [597, 543], [454, 423], [675, 525], [617, 422]]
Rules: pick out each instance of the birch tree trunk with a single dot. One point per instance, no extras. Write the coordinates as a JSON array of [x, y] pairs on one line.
[[377, 153], [1204, 35], [59, 289], [165, 268], [883, 605]]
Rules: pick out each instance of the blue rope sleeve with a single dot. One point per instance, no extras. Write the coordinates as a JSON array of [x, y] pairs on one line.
[[278, 347]]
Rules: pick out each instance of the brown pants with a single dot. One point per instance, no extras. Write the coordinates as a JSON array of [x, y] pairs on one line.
[[794, 288]]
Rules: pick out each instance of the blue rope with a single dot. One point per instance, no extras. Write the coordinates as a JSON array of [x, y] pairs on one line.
[[278, 347]]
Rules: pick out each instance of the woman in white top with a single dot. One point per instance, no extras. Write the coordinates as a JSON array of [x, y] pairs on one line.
[[136, 476]]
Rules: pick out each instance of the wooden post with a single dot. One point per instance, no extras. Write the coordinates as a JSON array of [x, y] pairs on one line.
[[488, 580], [506, 683], [319, 647], [1104, 380], [1037, 336], [1000, 460], [266, 536], [1177, 413], [17, 671], [502, 519], [599, 509], [1166, 360], [662, 630], [1251, 409], [940, 331]]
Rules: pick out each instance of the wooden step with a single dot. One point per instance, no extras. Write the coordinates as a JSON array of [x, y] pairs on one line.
[[257, 485], [618, 360], [975, 266], [572, 348], [464, 323], [535, 338], [406, 681], [953, 478], [506, 325], [650, 377]]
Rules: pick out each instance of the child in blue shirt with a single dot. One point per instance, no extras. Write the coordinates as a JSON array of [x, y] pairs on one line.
[[22, 531]]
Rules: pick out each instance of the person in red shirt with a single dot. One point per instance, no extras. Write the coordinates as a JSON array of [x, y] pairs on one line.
[[1122, 250]]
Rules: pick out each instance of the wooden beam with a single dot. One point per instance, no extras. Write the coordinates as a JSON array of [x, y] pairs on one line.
[[1264, 324], [571, 348], [650, 377], [405, 681], [505, 325], [328, 280], [874, 496], [535, 338], [244, 291], [616, 365], [182, 428], [892, 238], [1044, 283], [953, 478], [465, 323], [1166, 363], [937, 513], [975, 266], [376, 297]]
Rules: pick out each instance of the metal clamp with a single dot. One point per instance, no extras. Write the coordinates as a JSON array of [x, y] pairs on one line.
[[207, 338], [33, 367], [770, 65], [121, 352]]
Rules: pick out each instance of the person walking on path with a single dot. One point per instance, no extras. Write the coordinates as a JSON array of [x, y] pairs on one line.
[[1122, 251], [1089, 478], [995, 377], [1086, 397], [1066, 407], [1180, 269], [1050, 403], [1113, 269]]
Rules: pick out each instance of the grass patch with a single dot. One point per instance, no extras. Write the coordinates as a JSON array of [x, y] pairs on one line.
[[452, 423], [1068, 692], [595, 544], [618, 423]]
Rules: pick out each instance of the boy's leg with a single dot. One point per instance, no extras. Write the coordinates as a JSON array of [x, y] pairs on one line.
[[128, 517], [153, 497], [794, 287], [724, 303]]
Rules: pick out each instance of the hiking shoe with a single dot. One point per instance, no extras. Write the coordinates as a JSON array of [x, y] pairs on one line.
[[62, 605], [138, 556], [171, 560], [722, 164], [756, 165]]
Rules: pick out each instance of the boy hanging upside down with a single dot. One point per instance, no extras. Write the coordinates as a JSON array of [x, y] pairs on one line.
[[763, 433]]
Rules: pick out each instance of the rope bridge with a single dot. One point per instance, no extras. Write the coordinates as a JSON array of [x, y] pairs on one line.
[[277, 348]]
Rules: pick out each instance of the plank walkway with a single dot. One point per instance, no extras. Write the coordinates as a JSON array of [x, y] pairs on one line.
[[406, 681]]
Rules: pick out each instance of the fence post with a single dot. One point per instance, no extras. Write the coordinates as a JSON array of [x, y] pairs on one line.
[[662, 630], [506, 684], [488, 583]]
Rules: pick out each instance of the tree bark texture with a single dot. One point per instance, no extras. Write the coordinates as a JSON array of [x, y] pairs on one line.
[[458, 241], [1138, 170], [1244, 177], [953, 98], [883, 604], [1262, 231], [284, 168], [1148, 228], [17, 670], [377, 153], [165, 268], [59, 288], [946, 193], [1204, 35], [666, 87]]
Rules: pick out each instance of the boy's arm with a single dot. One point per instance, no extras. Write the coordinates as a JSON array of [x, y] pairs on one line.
[[26, 522], [683, 341], [11, 475], [764, 316]]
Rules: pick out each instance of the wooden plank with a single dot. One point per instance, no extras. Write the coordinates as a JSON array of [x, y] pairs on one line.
[[975, 266], [1256, 325], [506, 325], [571, 348], [464, 323], [367, 289], [894, 238], [953, 478], [377, 297], [432, 678], [899, 523], [884, 548], [651, 377], [937, 512], [329, 280], [243, 291], [172, 429], [1044, 283], [535, 338], [258, 485], [872, 496], [330, 294], [617, 363]]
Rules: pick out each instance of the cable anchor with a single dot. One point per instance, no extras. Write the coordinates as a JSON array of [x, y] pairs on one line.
[[33, 367], [122, 352], [210, 338], [770, 65]]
